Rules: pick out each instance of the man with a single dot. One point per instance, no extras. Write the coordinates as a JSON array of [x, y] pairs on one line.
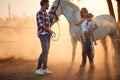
[[44, 31]]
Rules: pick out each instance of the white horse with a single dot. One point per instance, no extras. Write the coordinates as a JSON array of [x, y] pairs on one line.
[[106, 23]]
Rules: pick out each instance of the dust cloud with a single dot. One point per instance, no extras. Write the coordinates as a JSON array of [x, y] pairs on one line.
[[19, 40]]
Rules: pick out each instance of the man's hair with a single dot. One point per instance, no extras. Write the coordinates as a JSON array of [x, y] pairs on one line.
[[90, 15], [43, 2]]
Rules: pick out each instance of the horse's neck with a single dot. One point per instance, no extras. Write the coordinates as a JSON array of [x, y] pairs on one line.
[[68, 15], [67, 12]]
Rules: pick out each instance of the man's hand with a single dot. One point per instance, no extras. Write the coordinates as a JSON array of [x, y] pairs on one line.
[[50, 31], [47, 30], [55, 20]]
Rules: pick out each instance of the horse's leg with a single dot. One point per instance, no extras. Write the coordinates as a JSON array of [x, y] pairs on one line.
[[74, 45], [116, 47], [106, 60], [114, 40], [116, 58], [104, 44]]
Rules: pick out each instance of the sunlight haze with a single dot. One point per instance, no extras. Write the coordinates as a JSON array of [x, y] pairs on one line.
[[23, 8], [30, 7]]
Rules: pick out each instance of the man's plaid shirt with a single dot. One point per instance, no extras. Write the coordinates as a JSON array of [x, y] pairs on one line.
[[43, 20]]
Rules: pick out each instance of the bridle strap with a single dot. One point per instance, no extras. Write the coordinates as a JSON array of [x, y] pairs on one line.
[[54, 13]]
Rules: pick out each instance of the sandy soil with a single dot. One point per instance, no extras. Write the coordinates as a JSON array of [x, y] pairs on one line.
[[17, 69]]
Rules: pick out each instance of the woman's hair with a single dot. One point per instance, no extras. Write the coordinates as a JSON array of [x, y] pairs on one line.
[[83, 10], [43, 2]]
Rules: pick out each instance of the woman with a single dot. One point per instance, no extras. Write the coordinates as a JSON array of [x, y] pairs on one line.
[[87, 48], [83, 13]]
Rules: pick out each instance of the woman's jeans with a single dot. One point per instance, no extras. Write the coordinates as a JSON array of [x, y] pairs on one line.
[[88, 50]]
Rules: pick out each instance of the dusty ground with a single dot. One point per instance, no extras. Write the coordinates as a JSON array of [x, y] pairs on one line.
[[106, 66], [17, 69]]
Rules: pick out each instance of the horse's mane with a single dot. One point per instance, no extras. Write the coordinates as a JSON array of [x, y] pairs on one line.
[[76, 8], [73, 5]]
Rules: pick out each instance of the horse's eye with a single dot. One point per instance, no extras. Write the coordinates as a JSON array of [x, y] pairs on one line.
[[53, 7]]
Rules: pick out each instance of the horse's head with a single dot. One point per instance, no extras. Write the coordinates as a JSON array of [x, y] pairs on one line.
[[56, 9], [63, 7]]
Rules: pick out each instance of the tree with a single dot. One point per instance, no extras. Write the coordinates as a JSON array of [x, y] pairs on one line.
[[110, 6], [118, 8]]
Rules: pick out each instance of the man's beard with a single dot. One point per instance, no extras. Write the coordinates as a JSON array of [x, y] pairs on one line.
[[47, 8]]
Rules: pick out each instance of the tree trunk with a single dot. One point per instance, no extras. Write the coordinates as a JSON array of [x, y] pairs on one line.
[[110, 6], [118, 8]]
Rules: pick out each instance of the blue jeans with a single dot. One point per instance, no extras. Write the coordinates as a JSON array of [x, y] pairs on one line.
[[88, 50], [45, 44]]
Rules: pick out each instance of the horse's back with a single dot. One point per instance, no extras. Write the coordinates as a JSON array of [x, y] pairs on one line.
[[107, 24]]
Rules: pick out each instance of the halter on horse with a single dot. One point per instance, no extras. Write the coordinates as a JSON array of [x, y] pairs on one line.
[[54, 12]]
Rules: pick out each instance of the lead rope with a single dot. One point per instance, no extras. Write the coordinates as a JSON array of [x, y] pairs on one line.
[[53, 35]]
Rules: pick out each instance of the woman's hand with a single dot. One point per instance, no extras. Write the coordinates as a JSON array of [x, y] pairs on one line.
[[73, 12]]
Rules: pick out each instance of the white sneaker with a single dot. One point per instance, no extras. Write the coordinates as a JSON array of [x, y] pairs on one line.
[[47, 71], [39, 72]]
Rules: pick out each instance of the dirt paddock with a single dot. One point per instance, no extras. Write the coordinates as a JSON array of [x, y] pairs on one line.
[[107, 67], [17, 69]]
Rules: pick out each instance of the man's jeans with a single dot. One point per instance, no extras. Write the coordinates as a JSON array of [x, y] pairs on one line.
[[45, 44]]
